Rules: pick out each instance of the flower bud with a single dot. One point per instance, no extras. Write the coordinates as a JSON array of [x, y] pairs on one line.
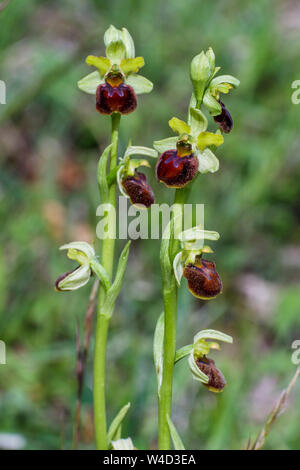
[[138, 190], [200, 74], [216, 380], [115, 96], [176, 168], [203, 280], [224, 119]]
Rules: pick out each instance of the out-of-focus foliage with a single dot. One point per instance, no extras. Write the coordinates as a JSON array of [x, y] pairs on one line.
[[50, 138]]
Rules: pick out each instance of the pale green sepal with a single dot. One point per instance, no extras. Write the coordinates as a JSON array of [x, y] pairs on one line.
[[123, 444], [138, 150], [81, 247], [211, 58], [208, 162], [197, 121], [214, 335], [197, 373], [200, 73], [224, 79], [116, 423], [139, 83], [75, 279], [183, 352], [165, 144], [129, 43], [178, 267], [101, 273], [115, 47], [197, 233], [211, 104], [177, 442], [90, 83], [119, 181], [158, 349], [179, 126]]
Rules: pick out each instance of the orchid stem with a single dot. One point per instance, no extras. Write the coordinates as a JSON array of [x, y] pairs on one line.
[[170, 327], [107, 261]]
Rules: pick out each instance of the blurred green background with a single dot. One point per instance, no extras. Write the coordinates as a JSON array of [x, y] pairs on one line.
[[50, 139]]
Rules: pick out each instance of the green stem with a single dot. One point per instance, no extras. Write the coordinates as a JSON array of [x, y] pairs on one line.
[[170, 319], [107, 261]]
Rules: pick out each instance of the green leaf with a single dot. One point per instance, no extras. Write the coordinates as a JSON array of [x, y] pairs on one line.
[[208, 162], [115, 288], [179, 126], [116, 423], [102, 175], [158, 350], [139, 83], [132, 65], [206, 139], [90, 83], [177, 442], [165, 144]]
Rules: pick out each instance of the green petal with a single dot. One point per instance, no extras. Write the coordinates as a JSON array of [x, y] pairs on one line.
[[139, 83], [197, 121], [102, 63], [178, 267], [179, 126], [129, 44], [208, 162], [132, 65], [90, 83], [165, 144], [211, 104], [206, 139]]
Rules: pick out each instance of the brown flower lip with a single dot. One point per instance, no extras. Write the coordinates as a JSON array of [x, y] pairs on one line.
[[176, 170], [115, 96], [224, 119], [138, 190], [203, 280], [216, 380]]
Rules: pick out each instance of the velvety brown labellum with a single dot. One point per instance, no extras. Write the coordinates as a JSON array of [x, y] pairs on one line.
[[138, 190], [224, 119], [216, 380], [174, 170], [118, 98], [203, 280]]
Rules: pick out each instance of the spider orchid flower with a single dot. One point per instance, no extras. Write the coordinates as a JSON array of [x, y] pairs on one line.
[[116, 82], [203, 368], [132, 183], [203, 280]]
